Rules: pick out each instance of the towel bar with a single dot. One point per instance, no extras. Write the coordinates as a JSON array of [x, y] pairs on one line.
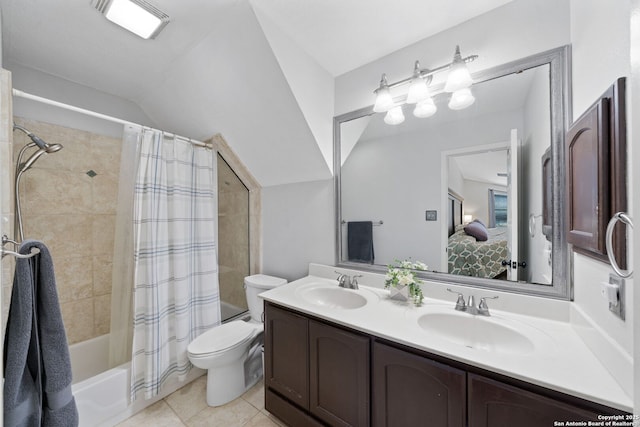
[[372, 223]]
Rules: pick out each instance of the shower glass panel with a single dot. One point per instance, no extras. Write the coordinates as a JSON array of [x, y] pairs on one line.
[[233, 240]]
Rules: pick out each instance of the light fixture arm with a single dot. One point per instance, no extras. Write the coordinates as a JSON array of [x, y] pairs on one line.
[[427, 73]]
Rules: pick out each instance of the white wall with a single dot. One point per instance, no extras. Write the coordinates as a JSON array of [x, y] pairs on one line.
[[516, 30], [633, 135], [599, 57], [476, 199], [311, 84], [52, 87], [297, 223], [370, 189]]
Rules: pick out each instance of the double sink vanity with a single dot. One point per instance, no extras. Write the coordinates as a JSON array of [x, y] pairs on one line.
[[336, 356]]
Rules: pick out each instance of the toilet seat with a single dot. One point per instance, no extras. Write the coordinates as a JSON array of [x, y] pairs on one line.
[[223, 338]]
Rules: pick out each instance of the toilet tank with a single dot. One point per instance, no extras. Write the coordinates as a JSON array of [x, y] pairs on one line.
[[255, 285]]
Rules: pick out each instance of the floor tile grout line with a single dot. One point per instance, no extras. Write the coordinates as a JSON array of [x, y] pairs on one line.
[[166, 401]]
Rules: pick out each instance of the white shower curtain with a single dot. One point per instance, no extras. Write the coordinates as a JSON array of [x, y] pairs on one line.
[[176, 294]]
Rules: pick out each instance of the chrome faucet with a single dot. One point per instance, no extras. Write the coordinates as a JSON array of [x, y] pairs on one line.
[[348, 282], [470, 307]]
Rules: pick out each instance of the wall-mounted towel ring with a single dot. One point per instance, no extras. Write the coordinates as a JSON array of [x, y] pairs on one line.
[[625, 218], [34, 251], [5, 240]]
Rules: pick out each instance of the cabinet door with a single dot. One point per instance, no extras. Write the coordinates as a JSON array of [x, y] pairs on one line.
[[286, 356], [410, 390], [494, 404], [588, 179], [339, 377]]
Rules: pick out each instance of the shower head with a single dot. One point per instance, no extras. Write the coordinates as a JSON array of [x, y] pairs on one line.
[[31, 160], [39, 141], [52, 148]]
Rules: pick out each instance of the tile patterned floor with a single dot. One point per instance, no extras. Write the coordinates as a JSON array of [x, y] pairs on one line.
[[187, 407]]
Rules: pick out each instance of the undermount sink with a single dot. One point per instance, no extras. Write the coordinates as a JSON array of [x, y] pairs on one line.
[[476, 332], [332, 296]]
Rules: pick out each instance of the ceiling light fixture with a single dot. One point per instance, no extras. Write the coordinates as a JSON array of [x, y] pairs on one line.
[[458, 82], [137, 16]]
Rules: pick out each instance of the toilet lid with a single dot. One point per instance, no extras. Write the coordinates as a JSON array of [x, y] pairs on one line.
[[222, 337]]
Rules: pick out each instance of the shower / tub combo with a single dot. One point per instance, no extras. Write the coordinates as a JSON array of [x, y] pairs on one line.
[[101, 388]]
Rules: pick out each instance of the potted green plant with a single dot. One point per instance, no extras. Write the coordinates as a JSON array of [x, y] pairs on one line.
[[403, 282]]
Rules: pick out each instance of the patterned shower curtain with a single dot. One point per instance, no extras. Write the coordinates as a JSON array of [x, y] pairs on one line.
[[176, 294]]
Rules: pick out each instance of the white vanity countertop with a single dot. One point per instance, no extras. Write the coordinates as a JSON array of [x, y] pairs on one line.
[[559, 359]]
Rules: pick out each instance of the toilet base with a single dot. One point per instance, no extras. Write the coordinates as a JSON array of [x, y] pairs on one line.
[[229, 382]]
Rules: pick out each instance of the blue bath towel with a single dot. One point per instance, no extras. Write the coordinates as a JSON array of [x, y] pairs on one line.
[[37, 368], [360, 241]]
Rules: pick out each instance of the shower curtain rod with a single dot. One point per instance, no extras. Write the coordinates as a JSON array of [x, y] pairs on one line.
[[26, 95]]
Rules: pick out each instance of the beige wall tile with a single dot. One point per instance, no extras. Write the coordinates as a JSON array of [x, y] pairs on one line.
[[102, 314], [74, 278], [104, 227], [64, 235], [74, 215], [6, 106], [105, 154], [102, 272], [104, 190], [54, 192], [78, 317]]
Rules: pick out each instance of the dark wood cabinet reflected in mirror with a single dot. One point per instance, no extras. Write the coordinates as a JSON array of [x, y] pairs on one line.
[[489, 157]]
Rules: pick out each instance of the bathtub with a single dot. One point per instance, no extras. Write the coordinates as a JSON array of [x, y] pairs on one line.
[[102, 395]]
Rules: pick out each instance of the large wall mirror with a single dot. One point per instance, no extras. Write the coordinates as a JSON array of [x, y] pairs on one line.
[[411, 191]]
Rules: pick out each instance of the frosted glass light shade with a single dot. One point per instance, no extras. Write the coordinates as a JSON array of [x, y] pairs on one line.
[[461, 98], [418, 91], [459, 76], [394, 116], [384, 101], [136, 18], [426, 108]]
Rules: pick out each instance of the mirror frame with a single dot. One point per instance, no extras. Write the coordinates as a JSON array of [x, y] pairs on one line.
[[559, 61]]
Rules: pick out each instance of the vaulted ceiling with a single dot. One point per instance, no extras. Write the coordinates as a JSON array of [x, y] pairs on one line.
[[260, 72]]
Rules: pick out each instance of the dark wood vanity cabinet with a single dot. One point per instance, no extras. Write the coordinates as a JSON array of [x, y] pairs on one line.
[[286, 363], [493, 403], [339, 376], [408, 389], [319, 374], [322, 369]]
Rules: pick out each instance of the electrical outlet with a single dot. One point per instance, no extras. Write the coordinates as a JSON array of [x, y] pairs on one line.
[[618, 309], [431, 215]]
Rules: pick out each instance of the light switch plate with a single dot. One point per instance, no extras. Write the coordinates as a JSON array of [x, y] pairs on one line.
[[431, 215], [618, 309]]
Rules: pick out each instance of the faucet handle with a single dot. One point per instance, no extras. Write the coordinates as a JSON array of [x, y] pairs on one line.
[[354, 281], [460, 304], [483, 308]]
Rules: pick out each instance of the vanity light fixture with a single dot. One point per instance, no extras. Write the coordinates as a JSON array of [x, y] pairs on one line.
[[458, 82], [137, 16]]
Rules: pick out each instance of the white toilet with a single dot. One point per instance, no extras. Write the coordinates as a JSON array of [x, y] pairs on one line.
[[232, 352]]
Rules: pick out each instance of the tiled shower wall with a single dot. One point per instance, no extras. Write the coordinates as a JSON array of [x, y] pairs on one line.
[[233, 235], [69, 202]]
